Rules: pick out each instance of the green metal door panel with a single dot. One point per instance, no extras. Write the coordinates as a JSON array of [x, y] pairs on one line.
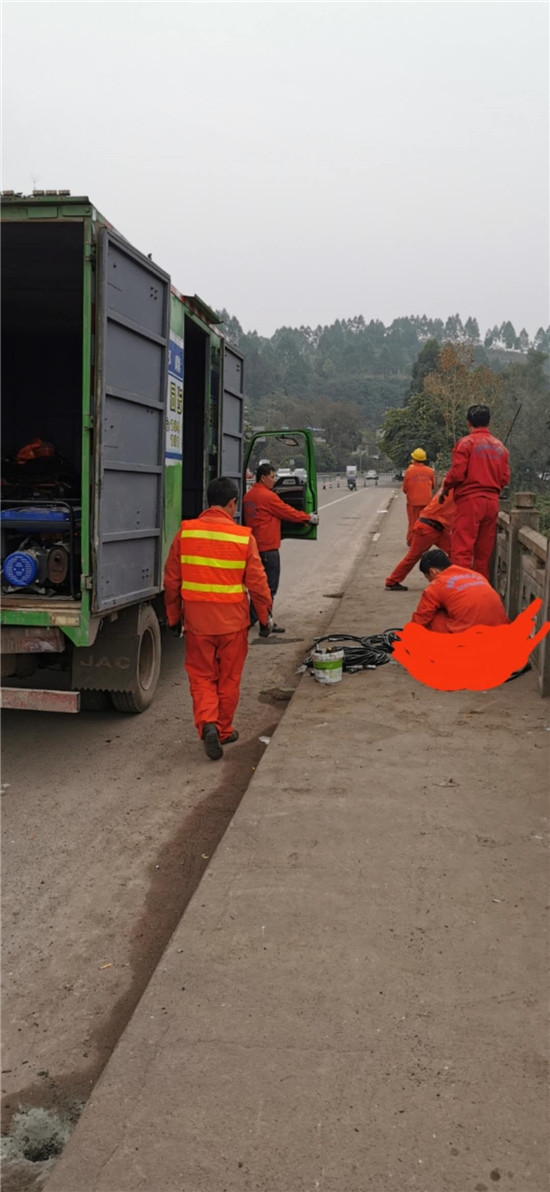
[[173, 459], [172, 507], [297, 441]]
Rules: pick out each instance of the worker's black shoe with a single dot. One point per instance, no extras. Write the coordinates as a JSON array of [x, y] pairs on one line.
[[211, 742], [516, 674], [277, 629], [396, 588], [234, 736]]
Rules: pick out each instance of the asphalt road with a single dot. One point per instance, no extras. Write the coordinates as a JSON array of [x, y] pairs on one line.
[[109, 822]]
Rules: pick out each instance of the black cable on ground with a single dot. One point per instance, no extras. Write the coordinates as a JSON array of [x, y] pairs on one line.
[[366, 653], [369, 652]]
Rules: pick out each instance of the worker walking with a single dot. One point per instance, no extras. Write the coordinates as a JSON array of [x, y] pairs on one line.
[[456, 598], [418, 486], [479, 471], [211, 564], [264, 511], [433, 528]]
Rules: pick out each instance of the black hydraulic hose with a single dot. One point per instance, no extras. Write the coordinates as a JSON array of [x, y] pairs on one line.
[[366, 653]]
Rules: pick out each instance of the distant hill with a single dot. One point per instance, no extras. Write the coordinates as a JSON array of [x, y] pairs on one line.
[[369, 364]]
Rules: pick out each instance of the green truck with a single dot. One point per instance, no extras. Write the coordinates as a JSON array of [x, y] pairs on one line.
[[121, 401]]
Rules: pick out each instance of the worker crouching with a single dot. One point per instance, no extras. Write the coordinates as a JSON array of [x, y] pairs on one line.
[[212, 564], [456, 598], [432, 528]]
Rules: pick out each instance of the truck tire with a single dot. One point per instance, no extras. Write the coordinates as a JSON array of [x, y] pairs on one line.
[[95, 700], [147, 671]]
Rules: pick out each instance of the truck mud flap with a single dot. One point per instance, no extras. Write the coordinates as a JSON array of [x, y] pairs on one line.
[[111, 663]]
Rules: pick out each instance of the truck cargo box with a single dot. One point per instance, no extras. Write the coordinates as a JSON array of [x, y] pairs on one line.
[[85, 323]]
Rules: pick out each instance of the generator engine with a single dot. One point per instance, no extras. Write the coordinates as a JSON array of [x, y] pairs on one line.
[[39, 550]]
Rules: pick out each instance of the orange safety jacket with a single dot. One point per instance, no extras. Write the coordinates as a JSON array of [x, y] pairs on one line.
[[37, 449], [418, 484], [213, 562], [439, 516], [480, 465], [465, 596], [211, 566], [263, 511]]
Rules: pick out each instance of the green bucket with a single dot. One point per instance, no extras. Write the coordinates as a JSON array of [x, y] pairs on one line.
[[328, 665]]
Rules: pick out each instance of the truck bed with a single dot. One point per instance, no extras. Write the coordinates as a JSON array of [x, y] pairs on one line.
[[39, 604]]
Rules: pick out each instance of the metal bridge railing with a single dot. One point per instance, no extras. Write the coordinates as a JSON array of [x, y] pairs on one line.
[[521, 571]]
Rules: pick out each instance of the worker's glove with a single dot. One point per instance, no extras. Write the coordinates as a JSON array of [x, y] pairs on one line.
[[314, 519], [176, 630], [265, 630], [442, 496]]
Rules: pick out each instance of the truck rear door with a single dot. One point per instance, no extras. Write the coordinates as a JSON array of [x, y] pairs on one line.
[[232, 415], [303, 496], [132, 332]]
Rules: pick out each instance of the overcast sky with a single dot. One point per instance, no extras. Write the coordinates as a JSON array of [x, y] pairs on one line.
[[297, 163]]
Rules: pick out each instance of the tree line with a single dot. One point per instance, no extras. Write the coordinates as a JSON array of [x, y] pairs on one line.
[[447, 380], [366, 363], [368, 388]]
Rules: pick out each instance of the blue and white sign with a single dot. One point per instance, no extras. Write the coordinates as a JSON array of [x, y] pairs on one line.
[[174, 403]]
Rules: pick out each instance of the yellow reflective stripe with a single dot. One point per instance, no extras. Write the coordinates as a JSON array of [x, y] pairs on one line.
[[228, 589], [216, 536], [198, 561]]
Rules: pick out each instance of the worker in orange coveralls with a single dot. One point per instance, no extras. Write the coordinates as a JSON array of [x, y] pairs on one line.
[[264, 511], [211, 564], [479, 471], [433, 528], [456, 598], [418, 486]]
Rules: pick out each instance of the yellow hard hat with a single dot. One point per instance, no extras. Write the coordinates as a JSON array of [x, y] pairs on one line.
[[419, 454]]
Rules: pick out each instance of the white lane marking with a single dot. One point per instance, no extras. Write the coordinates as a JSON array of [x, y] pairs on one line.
[[346, 498]]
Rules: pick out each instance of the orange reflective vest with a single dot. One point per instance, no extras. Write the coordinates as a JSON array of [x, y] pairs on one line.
[[213, 562], [37, 449]]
